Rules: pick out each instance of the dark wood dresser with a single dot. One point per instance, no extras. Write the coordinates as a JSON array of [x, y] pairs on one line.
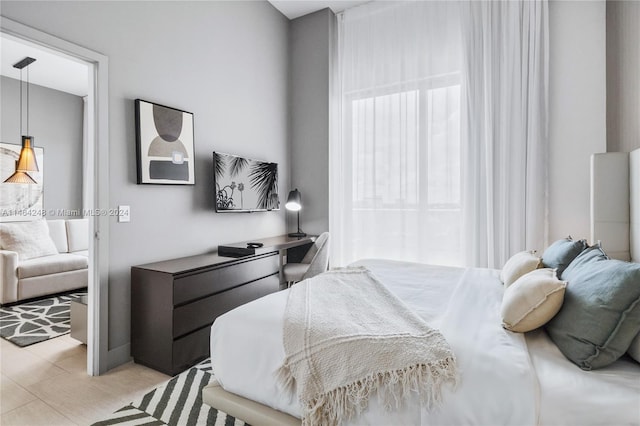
[[174, 303]]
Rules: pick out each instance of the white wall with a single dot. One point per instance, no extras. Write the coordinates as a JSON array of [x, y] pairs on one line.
[[224, 61], [577, 110]]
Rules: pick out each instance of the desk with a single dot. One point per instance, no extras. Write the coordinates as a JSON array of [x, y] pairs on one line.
[[174, 302], [290, 249]]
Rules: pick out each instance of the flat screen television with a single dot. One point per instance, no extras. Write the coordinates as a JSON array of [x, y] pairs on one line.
[[244, 185]]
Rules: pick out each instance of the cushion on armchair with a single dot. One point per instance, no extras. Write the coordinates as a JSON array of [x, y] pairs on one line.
[[78, 234], [311, 253], [51, 265], [28, 239], [58, 233], [294, 272]]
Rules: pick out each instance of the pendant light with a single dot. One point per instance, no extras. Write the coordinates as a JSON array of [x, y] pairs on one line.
[[27, 160]]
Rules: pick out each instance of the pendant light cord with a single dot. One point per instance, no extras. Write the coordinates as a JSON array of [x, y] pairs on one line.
[[27, 101], [21, 65], [21, 100]]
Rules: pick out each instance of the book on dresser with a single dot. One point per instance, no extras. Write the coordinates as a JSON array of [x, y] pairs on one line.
[[174, 302]]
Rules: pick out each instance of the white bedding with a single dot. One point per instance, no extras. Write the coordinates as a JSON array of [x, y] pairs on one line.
[[569, 395], [499, 384]]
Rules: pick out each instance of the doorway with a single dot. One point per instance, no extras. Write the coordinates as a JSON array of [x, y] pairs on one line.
[[95, 178]]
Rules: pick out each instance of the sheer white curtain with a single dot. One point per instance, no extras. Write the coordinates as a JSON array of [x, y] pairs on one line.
[[395, 149], [438, 131], [504, 129]]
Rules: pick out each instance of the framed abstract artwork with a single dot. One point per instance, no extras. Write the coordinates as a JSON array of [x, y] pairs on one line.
[[20, 201], [164, 142]]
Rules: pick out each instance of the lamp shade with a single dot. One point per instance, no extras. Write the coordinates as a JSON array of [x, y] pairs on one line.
[[20, 177], [27, 160], [26, 163], [294, 201]]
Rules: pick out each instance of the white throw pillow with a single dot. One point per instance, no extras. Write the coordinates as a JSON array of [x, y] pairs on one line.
[[28, 239], [634, 349], [532, 300], [518, 265]]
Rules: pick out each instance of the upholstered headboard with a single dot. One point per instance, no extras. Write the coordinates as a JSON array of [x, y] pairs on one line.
[[615, 203]]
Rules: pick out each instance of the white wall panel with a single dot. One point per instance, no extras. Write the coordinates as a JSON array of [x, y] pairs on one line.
[[610, 203], [577, 110]]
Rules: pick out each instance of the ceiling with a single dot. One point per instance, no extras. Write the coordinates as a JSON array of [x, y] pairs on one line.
[[50, 69], [295, 8]]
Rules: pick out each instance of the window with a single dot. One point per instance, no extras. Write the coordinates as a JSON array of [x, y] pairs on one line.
[[404, 200]]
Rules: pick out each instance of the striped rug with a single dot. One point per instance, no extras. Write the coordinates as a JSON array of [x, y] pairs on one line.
[[178, 402]]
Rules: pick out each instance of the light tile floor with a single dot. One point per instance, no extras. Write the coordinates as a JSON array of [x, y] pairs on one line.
[[47, 384]]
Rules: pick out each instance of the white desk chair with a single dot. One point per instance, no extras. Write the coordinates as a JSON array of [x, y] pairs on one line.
[[315, 262]]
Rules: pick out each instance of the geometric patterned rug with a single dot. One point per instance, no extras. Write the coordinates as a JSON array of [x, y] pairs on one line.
[[178, 402], [36, 321]]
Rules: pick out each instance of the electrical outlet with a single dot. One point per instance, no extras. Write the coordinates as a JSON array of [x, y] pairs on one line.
[[124, 214]]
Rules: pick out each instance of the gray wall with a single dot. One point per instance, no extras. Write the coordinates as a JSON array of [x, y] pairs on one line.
[[623, 75], [226, 62], [309, 38], [55, 122]]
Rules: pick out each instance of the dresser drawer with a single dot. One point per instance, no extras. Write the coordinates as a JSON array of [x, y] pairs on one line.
[[189, 350], [202, 312], [220, 279]]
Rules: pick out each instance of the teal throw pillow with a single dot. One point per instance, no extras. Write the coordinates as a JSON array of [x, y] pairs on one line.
[[600, 315], [561, 253], [590, 254]]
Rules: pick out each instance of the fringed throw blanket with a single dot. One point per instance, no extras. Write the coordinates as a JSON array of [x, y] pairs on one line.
[[346, 337]]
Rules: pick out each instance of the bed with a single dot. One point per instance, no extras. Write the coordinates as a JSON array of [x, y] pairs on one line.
[[506, 378]]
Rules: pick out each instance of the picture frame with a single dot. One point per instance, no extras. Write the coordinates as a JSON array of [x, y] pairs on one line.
[[20, 201], [165, 152], [244, 185]]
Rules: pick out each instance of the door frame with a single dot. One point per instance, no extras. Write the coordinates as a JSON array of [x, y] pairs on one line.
[[96, 176]]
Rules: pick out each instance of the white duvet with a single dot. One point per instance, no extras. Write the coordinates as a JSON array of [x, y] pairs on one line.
[[500, 383]]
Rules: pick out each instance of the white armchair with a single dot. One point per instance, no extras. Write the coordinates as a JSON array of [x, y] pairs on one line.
[[315, 262], [55, 263]]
